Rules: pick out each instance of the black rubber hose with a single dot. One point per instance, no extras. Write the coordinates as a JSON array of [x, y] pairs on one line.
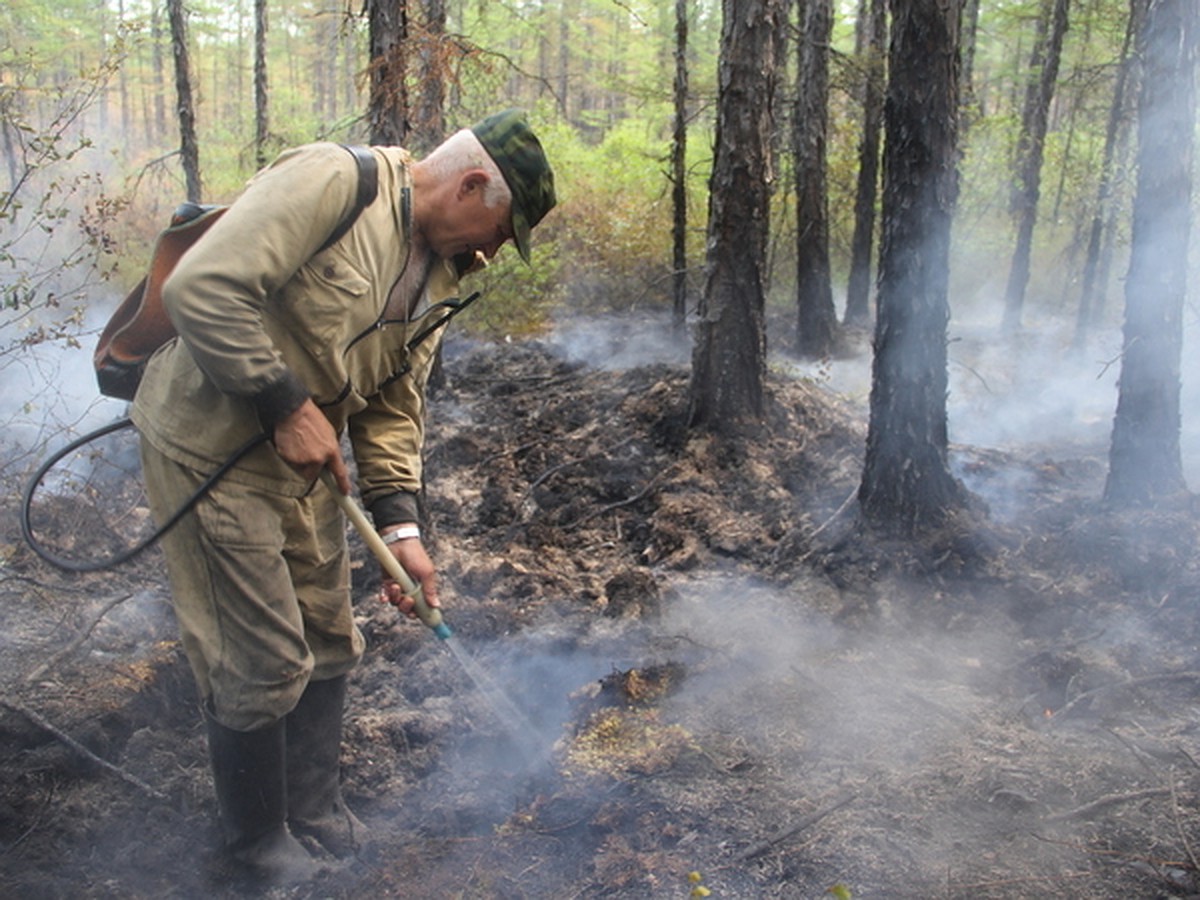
[[71, 565]]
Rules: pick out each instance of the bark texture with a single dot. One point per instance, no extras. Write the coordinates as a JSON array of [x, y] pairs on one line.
[[1144, 457], [729, 357], [906, 484]]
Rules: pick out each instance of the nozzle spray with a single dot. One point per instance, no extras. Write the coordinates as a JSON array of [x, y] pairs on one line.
[[430, 615]]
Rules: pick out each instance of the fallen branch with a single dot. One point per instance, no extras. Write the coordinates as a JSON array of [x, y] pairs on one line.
[[1180, 830], [628, 501], [837, 512], [1128, 682], [74, 645], [795, 828], [83, 751], [1082, 812]]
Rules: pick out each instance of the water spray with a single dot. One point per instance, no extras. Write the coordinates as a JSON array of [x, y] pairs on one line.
[[430, 615], [519, 728]]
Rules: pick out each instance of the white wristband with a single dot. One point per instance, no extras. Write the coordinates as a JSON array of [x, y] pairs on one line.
[[404, 532]]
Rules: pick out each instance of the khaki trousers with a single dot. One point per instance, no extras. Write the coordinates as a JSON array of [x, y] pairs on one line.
[[261, 589]]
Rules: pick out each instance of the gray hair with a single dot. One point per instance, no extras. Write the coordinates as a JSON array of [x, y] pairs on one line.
[[462, 151]]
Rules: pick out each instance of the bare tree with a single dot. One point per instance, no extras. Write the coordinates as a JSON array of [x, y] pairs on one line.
[[1144, 458], [1095, 266], [159, 69], [970, 38], [729, 357], [816, 330], [679, 166], [906, 483], [387, 105], [261, 117], [189, 148], [1030, 150], [431, 47], [873, 55]]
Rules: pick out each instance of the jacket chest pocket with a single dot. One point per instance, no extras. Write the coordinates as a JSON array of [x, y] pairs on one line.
[[323, 301]]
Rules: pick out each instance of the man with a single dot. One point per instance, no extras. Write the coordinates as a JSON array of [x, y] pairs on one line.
[[280, 337]]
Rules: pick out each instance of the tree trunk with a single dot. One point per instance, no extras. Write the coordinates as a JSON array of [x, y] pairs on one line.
[[1030, 149], [262, 126], [907, 484], [1090, 296], [387, 105], [858, 289], [1144, 458], [817, 319], [970, 37], [729, 357], [159, 70], [679, 167], [189, 148], [429, 126]]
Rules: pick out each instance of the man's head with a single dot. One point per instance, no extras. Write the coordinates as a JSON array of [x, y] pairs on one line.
[[518, 155], [490, 184]]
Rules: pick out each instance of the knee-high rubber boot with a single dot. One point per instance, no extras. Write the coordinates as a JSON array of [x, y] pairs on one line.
[[249, 772], [314, 743]]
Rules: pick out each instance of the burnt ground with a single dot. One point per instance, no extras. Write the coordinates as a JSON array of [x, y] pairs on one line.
[[693, 660]]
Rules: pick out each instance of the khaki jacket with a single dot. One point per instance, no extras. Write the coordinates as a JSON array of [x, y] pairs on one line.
[[264, 323]]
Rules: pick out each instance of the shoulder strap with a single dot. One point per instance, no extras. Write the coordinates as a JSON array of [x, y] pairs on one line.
[[368, 187]]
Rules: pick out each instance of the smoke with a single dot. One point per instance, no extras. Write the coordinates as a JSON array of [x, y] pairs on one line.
[[622, 340]]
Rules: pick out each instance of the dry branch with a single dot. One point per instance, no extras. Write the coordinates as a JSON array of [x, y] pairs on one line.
[[74, 645], [1082, 812], [1128, 682], [609, 507], [795, 828], [83, 751]]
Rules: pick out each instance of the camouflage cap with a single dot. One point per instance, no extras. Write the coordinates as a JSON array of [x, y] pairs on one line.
[[517, 152]]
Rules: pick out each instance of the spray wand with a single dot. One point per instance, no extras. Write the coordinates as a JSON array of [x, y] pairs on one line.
[[430, 615]]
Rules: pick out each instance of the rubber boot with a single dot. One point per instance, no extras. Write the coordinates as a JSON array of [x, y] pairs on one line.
[[250, 778], [314, 743]]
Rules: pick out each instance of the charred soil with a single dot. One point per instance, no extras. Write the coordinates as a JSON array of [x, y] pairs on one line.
[[687, 658]]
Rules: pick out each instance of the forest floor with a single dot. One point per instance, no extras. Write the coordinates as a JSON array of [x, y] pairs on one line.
[[684, 657]]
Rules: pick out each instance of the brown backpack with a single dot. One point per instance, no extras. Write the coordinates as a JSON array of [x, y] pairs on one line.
[[140, 324]]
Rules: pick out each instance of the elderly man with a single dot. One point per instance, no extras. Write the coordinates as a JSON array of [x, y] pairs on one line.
[[283, 336]]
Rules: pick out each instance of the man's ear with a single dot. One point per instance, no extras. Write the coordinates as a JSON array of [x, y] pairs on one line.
[[472, 180]]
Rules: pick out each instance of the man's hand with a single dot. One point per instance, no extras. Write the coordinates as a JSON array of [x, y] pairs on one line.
[[307, 442], [411, 555]]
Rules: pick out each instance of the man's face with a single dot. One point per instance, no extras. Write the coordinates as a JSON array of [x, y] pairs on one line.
[[469, 225]]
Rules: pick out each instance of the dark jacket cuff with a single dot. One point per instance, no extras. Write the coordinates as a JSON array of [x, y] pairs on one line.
[[394, 509], [279, 400]]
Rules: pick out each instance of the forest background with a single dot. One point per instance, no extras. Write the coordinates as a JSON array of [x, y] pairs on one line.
[[90, 133], [942, 679]]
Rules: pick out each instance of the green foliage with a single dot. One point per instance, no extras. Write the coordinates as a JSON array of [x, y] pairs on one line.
[[81, 92]]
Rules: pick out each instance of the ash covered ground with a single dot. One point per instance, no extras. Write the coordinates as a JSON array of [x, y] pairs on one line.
[[688, 658]]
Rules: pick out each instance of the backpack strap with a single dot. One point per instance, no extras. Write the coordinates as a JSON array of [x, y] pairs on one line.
[[368, 188]]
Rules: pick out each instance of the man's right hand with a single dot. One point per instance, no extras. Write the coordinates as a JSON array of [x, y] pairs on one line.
[[307, 442]]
